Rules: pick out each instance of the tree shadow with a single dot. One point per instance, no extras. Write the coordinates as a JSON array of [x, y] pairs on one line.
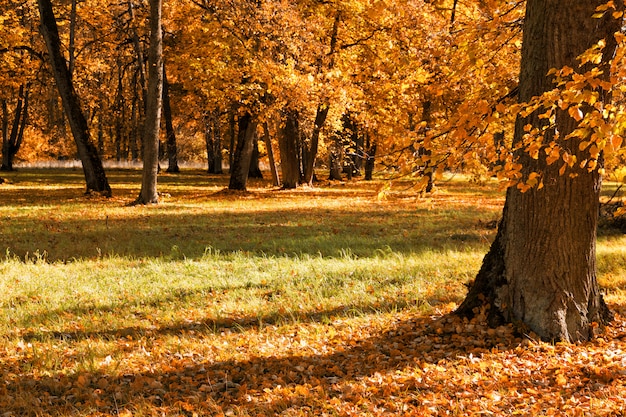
[[157, 233], [207, 386], [210, 325]]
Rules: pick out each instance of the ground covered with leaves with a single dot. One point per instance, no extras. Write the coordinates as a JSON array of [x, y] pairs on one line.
[[264, 334], [378, 365]]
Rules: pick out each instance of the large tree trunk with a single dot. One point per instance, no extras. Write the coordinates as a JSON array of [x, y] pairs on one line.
[[243, 153], [288, 138], [148, 193], [170, 134], [541, 270], [95, 176]]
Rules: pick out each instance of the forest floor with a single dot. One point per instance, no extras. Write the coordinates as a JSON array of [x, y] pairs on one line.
[[324, 301]]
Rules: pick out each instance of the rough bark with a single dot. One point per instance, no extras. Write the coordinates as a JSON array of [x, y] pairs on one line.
[[243, 153], [288, 144], [148, 193], [95, 177], [540, 270], [170, 134]]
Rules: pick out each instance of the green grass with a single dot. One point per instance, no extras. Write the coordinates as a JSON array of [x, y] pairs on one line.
[[91, 285]]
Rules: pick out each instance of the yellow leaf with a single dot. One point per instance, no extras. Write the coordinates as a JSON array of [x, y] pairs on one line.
[[616, 141], [576, 113]]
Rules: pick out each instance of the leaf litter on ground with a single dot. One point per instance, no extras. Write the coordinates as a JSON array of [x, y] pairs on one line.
[[375, 365]]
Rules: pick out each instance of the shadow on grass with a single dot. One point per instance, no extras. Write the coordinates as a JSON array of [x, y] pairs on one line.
[[217, 325], [171, 233], [202, 385]]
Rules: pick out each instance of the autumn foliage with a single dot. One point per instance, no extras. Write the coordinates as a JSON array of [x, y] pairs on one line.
[[327, 91]]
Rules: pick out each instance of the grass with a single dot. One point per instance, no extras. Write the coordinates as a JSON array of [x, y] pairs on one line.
[[110, 309]]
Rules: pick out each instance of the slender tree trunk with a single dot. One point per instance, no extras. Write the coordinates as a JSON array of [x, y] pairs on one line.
[[288, 145], [148, 193], [310, 153], [243, 153], [170, 134], [11, 143], [370, 158], [335, 154], [270, 155], [5, 136], [135, 127], [95, 176], [138, 52], [218, 158], [213, 138], [232, 126], [429, 166], [541, 269], [71, 48]]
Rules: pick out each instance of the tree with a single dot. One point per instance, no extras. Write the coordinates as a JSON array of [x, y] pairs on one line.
[[243, 153], [213, 141], [540, 270], [288, 138], [148, 193], [11, 142], [87, 152], [170, 134]]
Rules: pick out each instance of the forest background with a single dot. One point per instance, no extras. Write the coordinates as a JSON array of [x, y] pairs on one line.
[[410, 82]]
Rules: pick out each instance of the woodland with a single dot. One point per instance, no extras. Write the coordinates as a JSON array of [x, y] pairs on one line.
[[466, 156]]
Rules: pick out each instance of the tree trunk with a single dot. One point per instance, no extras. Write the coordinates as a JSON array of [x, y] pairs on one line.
[[541, 269], [213, 138], [310, 153], [243, 153], [428, 166], [270, 155], [370, 158], [135, 127], [255, 169], [11, 143], [95, 176], [232, 126], [288, 145], [170, 134], [148, 193], [335, 156]]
